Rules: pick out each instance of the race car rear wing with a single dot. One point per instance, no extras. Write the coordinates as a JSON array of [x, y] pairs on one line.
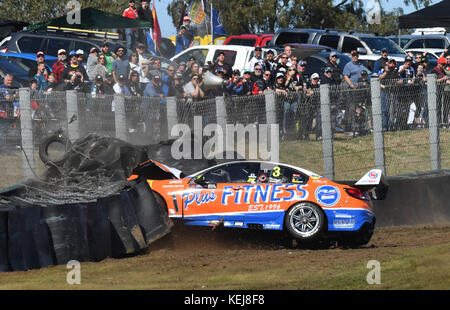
[[374, 183]]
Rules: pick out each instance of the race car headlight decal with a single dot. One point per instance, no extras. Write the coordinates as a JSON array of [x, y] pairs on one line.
[[356, 193]]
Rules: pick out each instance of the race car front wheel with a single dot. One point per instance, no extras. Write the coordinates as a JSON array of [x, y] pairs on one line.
[[305, 221]]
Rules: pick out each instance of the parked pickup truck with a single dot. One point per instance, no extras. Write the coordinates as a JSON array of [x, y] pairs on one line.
[[237, 56]]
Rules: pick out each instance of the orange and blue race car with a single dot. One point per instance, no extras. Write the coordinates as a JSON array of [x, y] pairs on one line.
[[267, 195]]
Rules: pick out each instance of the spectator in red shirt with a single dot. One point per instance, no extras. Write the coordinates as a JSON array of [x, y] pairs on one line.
[[59, 66], [130, 33]]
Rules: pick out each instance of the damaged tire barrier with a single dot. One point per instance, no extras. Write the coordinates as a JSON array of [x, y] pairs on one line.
[[36, 236]]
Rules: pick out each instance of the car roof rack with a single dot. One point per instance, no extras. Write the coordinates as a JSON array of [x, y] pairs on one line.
[[84, 32]]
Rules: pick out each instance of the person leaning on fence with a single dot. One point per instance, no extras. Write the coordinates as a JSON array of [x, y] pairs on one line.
[[100, 68], [7, 98], [168, 81], [313, 107], [193, 88], [389, 81], [359, 117], [98, 87], [108, 83], [244, 86], [121, 86], [443, 100]]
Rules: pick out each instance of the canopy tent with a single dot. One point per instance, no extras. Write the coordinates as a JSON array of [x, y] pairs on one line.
[[94, 19], [436, 15]]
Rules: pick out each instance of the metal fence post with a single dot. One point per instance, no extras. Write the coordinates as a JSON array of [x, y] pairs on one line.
[[221, 120], [327, 132], [172, 116], [72, 109], [26, 127], [378, 135], [435, 149], [119, 116], [273, 143]]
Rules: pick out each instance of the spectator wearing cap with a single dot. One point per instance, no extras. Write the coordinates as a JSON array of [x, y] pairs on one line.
[[80, 55], [270, 63], [92, 62], [443, 92], [302, 74], [154, 88], [109, 57], [59, 66], [120, 65], [193, 89], [121, 86], [130, 33], [259, 86], [381, 62], [244, 86], [189, 31], [40, 58], [336, 73], [108, 83], [181, 41], [220, 63], [98, 88], [352, 70], [313, 105], [232, 82], [327, 77], [283, 64], [257, 59], [388, 78], [75, 74], [406, 71], [144, 13]]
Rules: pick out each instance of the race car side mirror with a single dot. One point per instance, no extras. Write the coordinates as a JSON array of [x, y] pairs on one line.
[[200, 180]]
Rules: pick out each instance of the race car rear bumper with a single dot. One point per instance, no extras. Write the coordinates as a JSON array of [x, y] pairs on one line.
[[348, 219]]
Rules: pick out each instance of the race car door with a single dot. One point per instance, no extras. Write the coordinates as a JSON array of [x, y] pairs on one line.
[[218, 195]]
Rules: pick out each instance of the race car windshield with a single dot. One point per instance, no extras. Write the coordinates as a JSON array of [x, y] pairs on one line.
[[377, 44]]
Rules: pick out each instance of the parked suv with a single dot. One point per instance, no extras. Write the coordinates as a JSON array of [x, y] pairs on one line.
[[50, 42], [369, 46], [430, 42]]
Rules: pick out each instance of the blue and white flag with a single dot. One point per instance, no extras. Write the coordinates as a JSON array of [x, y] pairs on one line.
[[150, 43], [218, 29]]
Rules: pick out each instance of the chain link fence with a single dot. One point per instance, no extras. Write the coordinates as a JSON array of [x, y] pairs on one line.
[[398, 126]]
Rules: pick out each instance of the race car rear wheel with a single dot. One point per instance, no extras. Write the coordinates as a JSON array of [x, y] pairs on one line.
[[305, 221]]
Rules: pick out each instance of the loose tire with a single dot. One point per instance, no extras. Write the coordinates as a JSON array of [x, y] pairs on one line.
[[305, 221], [56, 139]]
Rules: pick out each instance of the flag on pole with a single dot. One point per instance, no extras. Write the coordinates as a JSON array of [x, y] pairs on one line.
[[218, 29], [156, 30], [199, 18]]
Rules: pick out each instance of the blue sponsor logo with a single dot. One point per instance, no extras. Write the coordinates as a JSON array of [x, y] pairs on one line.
[[327, 195]]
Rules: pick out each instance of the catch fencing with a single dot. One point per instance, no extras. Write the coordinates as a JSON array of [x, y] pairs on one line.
[[398, 126]]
